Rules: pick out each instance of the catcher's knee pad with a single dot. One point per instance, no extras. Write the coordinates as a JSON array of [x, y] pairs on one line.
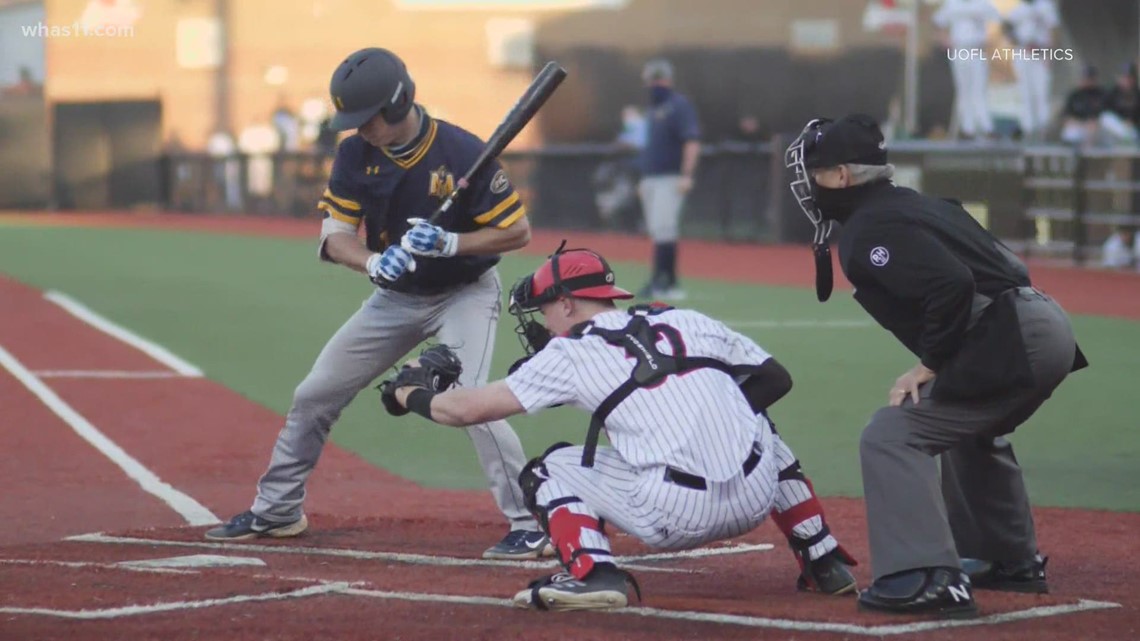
[[532, 476]]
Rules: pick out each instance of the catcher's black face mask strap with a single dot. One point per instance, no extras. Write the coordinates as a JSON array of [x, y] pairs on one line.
[[803, 188]]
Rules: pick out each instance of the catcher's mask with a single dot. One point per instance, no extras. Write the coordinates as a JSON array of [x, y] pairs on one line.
[[580, 273], [803, 188]]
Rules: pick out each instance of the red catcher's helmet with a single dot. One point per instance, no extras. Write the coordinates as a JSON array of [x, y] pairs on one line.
[[580, 273]]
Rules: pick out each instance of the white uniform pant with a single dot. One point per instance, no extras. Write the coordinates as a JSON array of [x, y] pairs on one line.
[[1034, 78], [971, 76], [662, 202], [661, 514]]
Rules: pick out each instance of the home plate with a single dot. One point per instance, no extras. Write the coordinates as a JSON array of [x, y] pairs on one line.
[[196, 561]]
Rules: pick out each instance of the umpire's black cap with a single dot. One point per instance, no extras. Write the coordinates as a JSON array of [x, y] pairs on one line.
[[854, 139], [369, 82]]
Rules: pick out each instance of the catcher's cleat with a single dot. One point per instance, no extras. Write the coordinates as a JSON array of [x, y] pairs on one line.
[[942, 592], [605, 588], [248, 525], [1025, 576], [521, 544], [828, 574]]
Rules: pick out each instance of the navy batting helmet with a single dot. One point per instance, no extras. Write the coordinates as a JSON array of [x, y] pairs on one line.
[[369, 82]]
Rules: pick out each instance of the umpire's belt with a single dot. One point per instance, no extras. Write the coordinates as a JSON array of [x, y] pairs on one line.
[[694, 482]]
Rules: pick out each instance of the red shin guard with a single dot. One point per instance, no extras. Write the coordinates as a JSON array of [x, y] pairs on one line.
[[566, 535]]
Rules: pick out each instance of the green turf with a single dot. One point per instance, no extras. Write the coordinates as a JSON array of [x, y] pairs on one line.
[[253, 312]]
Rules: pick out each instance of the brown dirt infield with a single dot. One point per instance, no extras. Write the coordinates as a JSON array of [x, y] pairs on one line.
[[210, 443]]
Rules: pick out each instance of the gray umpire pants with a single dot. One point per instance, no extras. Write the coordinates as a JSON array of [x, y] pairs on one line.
[[386, 327], [979, 508]]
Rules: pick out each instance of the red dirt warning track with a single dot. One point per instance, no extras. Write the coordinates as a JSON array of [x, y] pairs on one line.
[[344, 579]]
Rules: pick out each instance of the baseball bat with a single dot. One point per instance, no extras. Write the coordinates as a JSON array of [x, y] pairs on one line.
[[520, 114]]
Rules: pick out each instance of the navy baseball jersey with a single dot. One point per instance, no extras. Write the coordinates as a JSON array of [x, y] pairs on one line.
[[383, 188]]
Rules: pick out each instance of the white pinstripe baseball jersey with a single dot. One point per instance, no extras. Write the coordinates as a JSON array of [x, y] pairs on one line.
[[698, 422]]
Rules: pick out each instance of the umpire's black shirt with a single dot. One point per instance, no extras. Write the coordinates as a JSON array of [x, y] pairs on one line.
[[917, 262]]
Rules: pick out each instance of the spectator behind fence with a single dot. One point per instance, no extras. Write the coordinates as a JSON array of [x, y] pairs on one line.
[[1121, 116], [668, 164], [615, 181], [226, 169], [1121, 249], [965, 22], [1029, 27], [1080, 120]]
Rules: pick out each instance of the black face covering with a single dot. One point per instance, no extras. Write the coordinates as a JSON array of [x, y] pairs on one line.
[[839, 204]]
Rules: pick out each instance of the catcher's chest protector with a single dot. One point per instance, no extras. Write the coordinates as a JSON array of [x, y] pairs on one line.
[[639, 339]]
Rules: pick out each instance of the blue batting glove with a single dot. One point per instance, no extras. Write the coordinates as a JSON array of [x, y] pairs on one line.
[[390, 265], [426, 239]]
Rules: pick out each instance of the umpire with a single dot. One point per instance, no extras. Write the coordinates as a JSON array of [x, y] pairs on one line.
[[991, 350]]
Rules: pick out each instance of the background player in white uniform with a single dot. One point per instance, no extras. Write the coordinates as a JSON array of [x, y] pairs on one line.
[[966, 22], [1030, 26], [400, 165], [693, 459]]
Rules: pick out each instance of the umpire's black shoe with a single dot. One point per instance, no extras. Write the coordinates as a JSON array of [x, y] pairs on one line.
[[943, 592], [1024, 576], [248, 525]]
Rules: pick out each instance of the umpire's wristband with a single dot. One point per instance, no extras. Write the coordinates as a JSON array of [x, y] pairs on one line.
[[419, 401]]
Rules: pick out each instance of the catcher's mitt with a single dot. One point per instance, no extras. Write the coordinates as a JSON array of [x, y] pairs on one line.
[[438, 369]]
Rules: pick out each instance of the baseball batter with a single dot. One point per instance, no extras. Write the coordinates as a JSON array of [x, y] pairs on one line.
[[682, 399], [435, 281]]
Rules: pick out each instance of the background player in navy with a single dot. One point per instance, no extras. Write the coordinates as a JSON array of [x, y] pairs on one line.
[[441, 282], [668, 164]]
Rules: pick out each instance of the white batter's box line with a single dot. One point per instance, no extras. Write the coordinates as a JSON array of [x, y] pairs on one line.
[[700, 553], [94, 564], [135, 610], [110, 374], [630, 562], [347, 588], [148, 347], [189, 509]]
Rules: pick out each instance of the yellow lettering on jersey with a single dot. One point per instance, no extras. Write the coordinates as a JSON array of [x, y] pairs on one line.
[[373, 170], [442, 183]]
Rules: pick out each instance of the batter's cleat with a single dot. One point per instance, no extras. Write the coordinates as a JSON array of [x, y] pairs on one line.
[[828, 574], [605, 588], [521, 544], [943, 592], [1027, 576], [247, 525]]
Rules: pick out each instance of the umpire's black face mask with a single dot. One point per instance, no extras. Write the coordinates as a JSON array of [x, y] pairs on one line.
[[826, 143]]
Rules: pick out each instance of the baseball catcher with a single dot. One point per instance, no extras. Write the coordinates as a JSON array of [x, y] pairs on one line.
[[684, 401]]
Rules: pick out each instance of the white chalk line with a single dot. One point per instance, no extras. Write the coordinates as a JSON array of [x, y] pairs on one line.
[[93, 564], [107, 373], [134, 566], [150, 348], [189, 509], [135, 610], [700, 553], [868, 630], [682, 615], [631, 562], [852, 323]]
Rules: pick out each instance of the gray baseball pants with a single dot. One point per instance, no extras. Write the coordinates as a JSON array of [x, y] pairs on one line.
[[386, 327], [979, 508]]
